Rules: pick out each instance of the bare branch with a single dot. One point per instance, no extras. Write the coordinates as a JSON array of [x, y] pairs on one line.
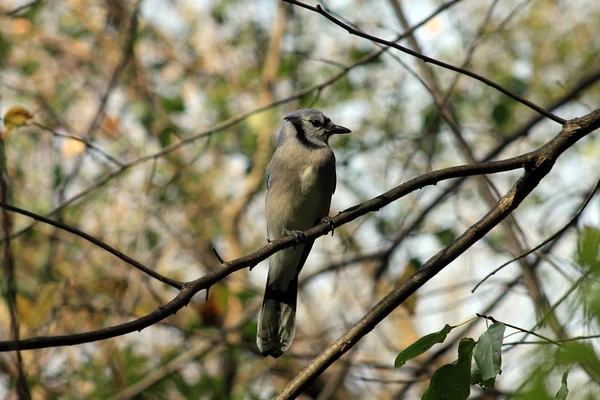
[[353, 31], [97, 242], [87, 143], [488, 317], [547, 240], [17, 10]]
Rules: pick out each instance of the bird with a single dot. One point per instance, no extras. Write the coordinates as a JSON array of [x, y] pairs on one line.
[[300, 181]]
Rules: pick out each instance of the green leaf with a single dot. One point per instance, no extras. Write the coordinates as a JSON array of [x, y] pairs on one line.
[[501, 113], [357, 54], [446, 236], [152, 237], [175, 104], [589, 245], [5, 48], [577, 352], [488, 355], [535, 388], [164, 136], [564, 390], [249, 142], [29, 68], [431, 121], [453, 381], [57, 176], [421, 346], [477, 379], [514, 84]]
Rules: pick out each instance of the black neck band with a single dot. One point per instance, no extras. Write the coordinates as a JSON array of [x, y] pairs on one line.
[[301, 135]]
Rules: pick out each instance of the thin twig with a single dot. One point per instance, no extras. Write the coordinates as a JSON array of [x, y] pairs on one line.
[[573, 339], [547, 240], [494, 320], [21, 8], [87, 143], [216, 253], [95, 241], [318, 9]]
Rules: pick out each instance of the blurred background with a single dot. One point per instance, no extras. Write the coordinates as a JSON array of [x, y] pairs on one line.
[[182, 101]]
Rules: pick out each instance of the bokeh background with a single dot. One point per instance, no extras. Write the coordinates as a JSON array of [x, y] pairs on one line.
[[135, 78]]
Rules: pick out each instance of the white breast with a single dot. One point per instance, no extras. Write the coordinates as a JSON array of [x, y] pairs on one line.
[[308, 179]]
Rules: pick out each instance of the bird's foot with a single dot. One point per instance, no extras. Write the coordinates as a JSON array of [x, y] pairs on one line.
[[329, 220], [298, 236]]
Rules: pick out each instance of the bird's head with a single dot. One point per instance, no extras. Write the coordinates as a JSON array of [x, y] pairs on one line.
[[314, 128]]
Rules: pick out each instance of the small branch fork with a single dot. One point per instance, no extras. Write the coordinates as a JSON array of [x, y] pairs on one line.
[[536, 164], [494, 320]]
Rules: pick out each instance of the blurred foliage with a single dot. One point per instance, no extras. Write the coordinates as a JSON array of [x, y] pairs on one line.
[[195, 65]]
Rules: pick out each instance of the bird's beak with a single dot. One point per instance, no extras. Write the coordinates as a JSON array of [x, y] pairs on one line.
[[338, 129]]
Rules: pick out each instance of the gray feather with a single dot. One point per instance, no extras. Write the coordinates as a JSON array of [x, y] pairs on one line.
[[300, 182]]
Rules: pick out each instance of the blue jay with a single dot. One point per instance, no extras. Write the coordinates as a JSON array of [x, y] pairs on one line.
[[300, 182]]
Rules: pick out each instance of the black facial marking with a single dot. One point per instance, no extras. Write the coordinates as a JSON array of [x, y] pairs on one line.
[[301, 134], [316, 123]]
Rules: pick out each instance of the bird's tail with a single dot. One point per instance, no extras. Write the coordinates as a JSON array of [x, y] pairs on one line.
[[277, 320]]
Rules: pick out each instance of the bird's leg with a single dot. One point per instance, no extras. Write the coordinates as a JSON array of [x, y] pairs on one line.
[[329, 220], [298, 236]]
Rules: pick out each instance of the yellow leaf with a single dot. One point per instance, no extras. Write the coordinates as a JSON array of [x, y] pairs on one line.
[[72, 148], [21, 26], [112, 287], [26, 311], [33, 314], [15, 117], [411, 302]]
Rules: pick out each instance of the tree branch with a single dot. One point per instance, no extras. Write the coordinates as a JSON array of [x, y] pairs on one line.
[[353, 31], [547, 240], [494, 303], [171, 282]]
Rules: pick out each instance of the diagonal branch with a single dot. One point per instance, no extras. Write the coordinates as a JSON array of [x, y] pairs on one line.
[[449, 344], [547, 240], [96, 241], [353, 31]]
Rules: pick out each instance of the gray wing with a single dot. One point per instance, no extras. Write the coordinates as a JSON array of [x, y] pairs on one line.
[[330, 182], [268, 175]]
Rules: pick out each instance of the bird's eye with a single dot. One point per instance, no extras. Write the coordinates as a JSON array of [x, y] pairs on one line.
[[316, 122]]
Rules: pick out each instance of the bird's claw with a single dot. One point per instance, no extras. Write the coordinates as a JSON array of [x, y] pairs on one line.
[[329, 220], [299, 236]]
